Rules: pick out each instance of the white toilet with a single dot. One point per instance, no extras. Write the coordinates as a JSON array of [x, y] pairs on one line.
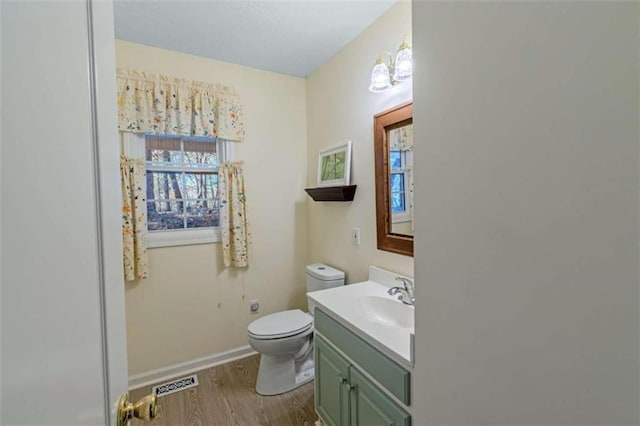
[[285, 339]]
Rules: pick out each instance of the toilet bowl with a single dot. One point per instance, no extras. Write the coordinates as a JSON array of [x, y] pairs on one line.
[[285, 339], [283, 343]]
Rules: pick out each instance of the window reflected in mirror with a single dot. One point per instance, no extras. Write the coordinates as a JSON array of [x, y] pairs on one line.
[[393, 146], [401, 179]]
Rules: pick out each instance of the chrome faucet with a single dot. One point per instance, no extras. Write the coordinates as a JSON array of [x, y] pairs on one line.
[[406, 291]]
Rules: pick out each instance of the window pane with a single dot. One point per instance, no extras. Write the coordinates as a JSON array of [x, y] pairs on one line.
[[397, 202], [163, 150], [164, 215], [201, 213], [163, 157], [397, 182], [200, 153], [201, 159], [200, 185], [164, 185], [395, 158]]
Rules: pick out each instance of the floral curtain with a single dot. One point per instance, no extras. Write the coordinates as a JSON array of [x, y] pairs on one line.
[[134, 219], [401, 138], [149, 103], [234, 227]]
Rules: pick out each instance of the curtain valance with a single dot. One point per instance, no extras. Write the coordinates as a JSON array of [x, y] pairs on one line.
[[401, 138], [150, 103]]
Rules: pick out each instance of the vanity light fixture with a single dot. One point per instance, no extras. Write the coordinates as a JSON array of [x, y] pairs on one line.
[[386, 75]]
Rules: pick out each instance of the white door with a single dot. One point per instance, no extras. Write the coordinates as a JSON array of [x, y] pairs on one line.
[[63, 353]]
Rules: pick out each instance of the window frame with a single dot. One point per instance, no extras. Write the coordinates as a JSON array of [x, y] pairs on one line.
[[183, 237]]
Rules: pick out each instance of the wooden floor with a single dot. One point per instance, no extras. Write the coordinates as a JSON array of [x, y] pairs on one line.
[[226, 396]]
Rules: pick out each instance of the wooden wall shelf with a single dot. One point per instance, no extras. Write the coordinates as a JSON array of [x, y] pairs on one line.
[[332, 193]]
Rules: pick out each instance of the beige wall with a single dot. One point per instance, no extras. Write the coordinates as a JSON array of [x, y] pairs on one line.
[[192, 307], [527, 190], [340, 108]]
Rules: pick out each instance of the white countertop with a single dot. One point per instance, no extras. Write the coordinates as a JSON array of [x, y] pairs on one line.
[[342, 304]]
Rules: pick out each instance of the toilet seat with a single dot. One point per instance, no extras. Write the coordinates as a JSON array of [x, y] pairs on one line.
[[280, 325]]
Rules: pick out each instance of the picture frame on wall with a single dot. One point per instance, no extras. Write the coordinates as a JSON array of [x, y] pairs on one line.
[[334, 165]]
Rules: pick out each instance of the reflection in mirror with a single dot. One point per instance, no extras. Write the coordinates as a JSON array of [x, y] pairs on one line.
[[401, 179], [393, 146]]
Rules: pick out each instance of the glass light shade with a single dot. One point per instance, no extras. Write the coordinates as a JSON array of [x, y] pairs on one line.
[[380, 80], [404, 65]]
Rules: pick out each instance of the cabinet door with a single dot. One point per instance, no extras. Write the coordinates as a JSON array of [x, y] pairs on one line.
[[331, 387], [370, 406]]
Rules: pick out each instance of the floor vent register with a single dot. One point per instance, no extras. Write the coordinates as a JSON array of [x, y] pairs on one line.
[[176, 386]]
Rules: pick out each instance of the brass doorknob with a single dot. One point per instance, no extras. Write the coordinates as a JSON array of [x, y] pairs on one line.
[[144, 409]]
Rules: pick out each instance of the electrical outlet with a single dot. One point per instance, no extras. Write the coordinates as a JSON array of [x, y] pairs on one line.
[[355, 236], [254, 306]]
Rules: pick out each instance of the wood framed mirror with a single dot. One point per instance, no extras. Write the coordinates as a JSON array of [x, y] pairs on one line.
[[393, 148]]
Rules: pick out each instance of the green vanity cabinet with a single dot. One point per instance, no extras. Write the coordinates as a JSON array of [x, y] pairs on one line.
[[369, 406], [332, 387], [344, 395], [393, 377]]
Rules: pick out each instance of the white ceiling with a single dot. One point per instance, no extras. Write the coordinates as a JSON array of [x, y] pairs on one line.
[[290, 37]]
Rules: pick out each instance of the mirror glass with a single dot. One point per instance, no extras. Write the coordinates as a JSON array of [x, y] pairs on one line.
[[393, 147], [401, 179]]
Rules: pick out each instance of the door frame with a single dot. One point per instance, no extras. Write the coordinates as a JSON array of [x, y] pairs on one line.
[[106, 148]]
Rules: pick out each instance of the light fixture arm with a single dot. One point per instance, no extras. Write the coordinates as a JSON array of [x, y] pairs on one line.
[[382, 61]]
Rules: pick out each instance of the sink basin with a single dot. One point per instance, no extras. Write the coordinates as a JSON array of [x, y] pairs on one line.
[[367, 309], [385, 311]]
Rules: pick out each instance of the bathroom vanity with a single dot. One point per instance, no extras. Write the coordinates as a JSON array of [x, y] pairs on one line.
[[363, 353]]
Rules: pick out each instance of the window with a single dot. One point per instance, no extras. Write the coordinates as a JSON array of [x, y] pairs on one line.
[[400, 165], [182, 189]]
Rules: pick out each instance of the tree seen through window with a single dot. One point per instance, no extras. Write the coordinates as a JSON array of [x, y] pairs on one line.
[[182, 183]]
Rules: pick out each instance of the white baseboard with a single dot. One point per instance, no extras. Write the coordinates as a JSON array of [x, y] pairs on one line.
[[188, 367]]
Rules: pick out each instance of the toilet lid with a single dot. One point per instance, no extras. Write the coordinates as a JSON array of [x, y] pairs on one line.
[[281, 324]]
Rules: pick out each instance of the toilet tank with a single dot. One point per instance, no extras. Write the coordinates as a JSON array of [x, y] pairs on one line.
[[321, 276]]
